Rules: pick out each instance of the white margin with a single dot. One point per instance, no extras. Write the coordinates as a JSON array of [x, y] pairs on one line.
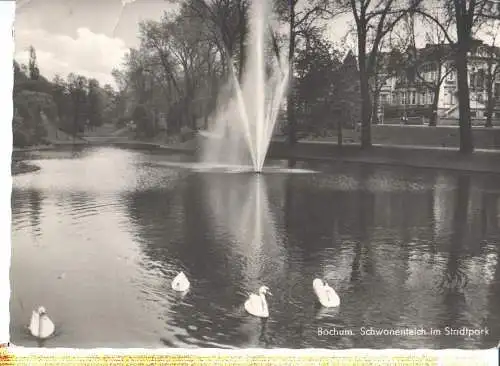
[[7, 12]]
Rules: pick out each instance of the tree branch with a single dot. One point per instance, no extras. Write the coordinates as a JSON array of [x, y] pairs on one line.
[[438, 23]]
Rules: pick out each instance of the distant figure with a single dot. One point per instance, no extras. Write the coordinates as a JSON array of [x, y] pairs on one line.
[[41, 326], [256, 305], [404, 119], [180, 283], [326, 295]]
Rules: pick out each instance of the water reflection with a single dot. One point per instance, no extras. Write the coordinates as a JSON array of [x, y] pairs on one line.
[[239, 205], [403, 248]]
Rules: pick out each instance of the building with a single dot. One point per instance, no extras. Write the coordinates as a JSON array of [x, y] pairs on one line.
[[407, 88]]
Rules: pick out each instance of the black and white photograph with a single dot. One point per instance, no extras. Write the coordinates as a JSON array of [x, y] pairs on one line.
[[256, 174]]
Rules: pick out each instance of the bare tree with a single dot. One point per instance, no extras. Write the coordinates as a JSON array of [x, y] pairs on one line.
[[373, 21], [226, 24], [435, 62], [388, 65], [492, 55], [468, 16]]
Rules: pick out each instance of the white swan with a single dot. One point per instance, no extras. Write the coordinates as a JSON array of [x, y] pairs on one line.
[[256, 304], [180, 282], [41, 326], [326, 295]]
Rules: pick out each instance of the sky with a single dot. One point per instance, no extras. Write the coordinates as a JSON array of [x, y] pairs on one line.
[[89, 37]]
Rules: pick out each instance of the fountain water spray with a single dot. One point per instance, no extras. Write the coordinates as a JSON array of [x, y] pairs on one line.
[[242, 128]]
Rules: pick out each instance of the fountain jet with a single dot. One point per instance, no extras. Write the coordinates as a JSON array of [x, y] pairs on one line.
[[242, 128]]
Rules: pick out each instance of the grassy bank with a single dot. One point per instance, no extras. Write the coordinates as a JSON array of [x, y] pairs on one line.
[[20, 167], [439, 136], [411, 156], [402, 155]]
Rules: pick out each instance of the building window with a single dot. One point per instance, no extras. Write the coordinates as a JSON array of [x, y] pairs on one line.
[[450, 76], [413, 97], [473, 113], [480, 79]]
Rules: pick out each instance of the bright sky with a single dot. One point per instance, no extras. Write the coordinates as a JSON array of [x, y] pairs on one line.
[[88, 37]]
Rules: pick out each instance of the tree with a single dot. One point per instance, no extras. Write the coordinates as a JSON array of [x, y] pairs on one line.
[[142, 120], [317, 77], [77, 87], [388, 65], [301, 17], [28, 125], [34, 72], [348, 95], [61, 97], [492, 57], [373, 21], [435, 62], [40, 104], [468, 16], [95, 104], [465, 16], [225, 23]]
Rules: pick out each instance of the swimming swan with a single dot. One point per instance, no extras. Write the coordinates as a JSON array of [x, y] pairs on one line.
[[326, 295], [256, 305], [180, 282], [41, 326]]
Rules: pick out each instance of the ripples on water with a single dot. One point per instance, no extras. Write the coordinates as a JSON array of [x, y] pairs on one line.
[[97, 236]]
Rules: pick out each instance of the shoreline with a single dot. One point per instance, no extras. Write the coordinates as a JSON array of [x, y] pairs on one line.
[[480, 161], [21, 167]]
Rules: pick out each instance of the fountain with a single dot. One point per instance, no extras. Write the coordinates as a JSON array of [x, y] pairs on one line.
[[242, 128]]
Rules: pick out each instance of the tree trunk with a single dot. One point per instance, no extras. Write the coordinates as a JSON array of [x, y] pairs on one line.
[[466, 144], [292, 128], [463, 22], [375, 105], [490, 103], [434, 106], [365, 94], [376, 99]]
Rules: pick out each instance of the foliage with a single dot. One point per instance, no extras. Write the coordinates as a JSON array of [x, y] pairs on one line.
[[143, 121], [463, 19], [187, 58], [28, 125], [374, 21], [71, 105], [317, 81]]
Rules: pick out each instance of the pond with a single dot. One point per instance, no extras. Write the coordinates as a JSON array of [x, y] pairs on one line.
[[99, 233]]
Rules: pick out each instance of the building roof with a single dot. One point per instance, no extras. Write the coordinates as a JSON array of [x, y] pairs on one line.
[[442, 51]]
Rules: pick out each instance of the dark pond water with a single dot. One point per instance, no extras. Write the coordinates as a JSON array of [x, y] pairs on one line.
[[97, 236]]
